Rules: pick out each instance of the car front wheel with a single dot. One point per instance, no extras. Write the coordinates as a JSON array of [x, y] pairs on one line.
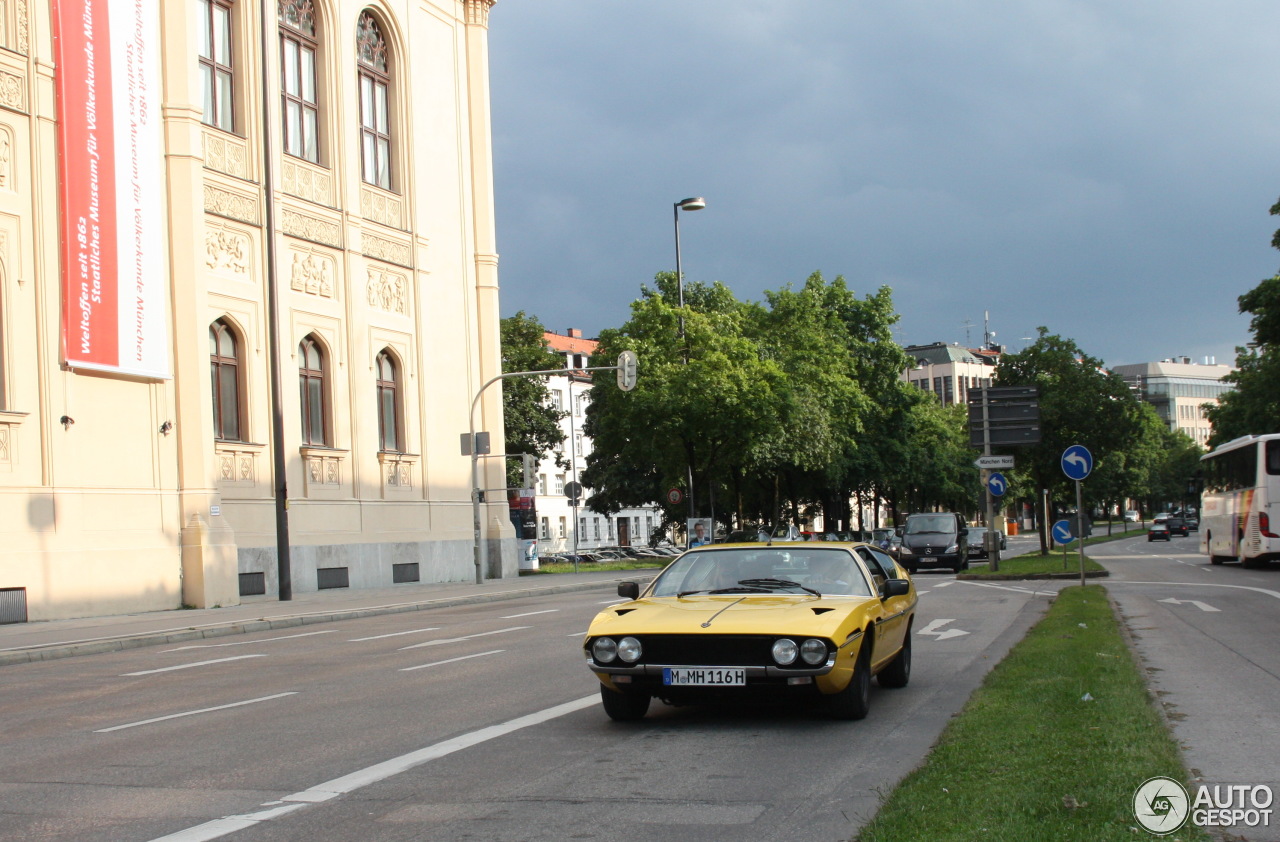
[[624, 707], [854, 701]]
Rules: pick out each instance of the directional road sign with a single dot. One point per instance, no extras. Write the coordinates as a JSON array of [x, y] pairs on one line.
[[1062, 532], [997, 484], [1077, 462], [985, 462]]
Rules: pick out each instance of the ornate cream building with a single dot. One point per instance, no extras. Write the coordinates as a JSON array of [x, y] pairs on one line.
[[129, 486]]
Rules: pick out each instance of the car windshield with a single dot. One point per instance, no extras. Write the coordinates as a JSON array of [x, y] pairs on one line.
[[939, 523], [748, 570]]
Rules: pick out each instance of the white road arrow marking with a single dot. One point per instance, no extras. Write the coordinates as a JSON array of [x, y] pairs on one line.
[[1197, 603], [934, 629]]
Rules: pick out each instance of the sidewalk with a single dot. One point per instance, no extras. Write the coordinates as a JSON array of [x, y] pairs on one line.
[[46, 640]]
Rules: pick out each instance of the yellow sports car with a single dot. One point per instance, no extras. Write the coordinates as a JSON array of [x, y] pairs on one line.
[[812, 620]]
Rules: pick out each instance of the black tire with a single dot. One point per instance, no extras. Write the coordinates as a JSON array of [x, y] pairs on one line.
[[854, 701], [898, 673], [624, 707]]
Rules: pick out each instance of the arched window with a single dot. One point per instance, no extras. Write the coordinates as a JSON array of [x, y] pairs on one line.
[[375, 120], [299, 82], [224, 362], [388, 404], [217, 70], [312, 387]]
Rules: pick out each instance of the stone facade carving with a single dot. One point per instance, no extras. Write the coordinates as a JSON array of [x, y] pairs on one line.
[[6, 459], [381, 208], [324, 469], [13, 92], [306, 182], [312, 273], [388, 251], [478, 12], [310, 228], [226, 252], [24, 29], [388, 291], [237, 467], [225, 154], [231, 205]]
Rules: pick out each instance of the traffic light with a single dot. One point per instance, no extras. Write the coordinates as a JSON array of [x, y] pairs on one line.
[[529, 469], [627, 363]]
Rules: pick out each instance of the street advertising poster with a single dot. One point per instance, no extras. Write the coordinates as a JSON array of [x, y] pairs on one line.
[[111, 167], [699, 531]]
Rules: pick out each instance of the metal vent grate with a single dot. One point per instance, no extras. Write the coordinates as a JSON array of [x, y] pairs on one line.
[[332, 577], [253, 584], [407, 572], [13, 605]]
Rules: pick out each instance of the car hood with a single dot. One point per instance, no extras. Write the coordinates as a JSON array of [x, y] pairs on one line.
[[933, 540], [732, 614]]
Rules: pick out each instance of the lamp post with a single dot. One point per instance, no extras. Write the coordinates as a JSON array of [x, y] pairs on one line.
[[693, 203]]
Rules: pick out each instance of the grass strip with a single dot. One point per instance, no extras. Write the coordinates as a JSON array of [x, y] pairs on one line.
[[1029, 758], [1035, 565]]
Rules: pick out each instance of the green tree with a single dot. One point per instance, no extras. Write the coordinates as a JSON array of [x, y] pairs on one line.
[[1252, 407], [532, 423], [1080, 403]]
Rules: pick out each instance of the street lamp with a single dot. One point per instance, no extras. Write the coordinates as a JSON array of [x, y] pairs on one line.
[[693, 203]]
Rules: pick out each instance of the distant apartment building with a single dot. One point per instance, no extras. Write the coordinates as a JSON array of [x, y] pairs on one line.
[[561, 525], [1179, 389], [950, 371]]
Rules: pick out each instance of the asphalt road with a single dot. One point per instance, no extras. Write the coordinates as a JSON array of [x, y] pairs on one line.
[[470, 722], [1208, 636]]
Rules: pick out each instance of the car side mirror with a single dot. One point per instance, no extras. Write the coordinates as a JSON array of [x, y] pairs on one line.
[[896, 587], [629, 590], [898, 532], [964, 530]]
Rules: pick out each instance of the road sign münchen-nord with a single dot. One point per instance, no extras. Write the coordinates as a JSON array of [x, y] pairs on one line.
[[993, 462]]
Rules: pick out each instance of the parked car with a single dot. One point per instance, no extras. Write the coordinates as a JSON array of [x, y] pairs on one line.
[[934, 539], [1131, 516], [1193, 523], [1177, 526], [977, 542], [1161, 517], [880, 538], [1158, 532], [726, 623]]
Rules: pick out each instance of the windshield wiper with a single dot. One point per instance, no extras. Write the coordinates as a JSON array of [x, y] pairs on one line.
[[777, 584]]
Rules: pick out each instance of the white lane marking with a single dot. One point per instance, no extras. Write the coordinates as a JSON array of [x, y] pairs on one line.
[[1276, 594], [934, 629], [248, 642], [393, 634], [1197, 603], [921, 593], [189, 666], [372, 774], [613, 602], [1016, 588], [451, 660], [945, 584], [194, 712], [577, 634], [530, 613], [460, 639]]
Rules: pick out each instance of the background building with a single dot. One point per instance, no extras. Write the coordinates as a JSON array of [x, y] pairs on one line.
[[1179, 389], [950, 371], [139, 209]]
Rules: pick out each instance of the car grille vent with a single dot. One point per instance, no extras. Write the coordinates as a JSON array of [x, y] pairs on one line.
[[705, 649], [822, 610], [622, 611]]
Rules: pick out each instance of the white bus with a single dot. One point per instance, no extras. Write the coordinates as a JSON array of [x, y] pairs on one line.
[[1240, 507]]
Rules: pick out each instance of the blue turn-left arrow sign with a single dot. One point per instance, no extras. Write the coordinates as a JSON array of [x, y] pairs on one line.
[[997, 484], [1077, 462]]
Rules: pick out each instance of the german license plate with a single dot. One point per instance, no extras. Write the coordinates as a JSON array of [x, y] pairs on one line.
[[703, 677]]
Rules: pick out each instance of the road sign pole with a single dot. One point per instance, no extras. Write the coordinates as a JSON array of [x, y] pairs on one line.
[[994, 552], [1080, 529]]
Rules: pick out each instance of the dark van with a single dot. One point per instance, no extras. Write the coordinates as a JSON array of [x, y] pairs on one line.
[[934, 539]]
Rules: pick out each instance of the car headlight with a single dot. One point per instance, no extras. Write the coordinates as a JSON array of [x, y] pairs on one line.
[[904, 550], [629, 649], [785, 651], [813, 651], [604, 650], [954, 548]]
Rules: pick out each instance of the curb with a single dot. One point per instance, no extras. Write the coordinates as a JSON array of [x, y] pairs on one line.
[[1014, 577], [53, 651]]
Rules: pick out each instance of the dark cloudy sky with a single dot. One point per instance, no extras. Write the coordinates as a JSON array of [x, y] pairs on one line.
[[1101, 168]]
